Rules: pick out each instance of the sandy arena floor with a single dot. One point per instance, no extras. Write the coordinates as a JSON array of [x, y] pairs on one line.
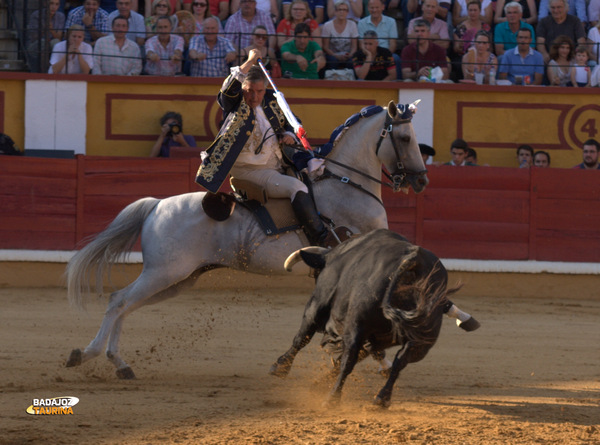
[[531, 374]]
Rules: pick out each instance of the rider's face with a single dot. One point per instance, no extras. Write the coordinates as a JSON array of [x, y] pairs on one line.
[[254, 92]]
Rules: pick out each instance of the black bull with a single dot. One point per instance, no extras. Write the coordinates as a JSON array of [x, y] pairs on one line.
[[373, 292]]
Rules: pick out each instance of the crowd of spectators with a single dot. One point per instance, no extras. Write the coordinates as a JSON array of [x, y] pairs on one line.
[[538, 42]]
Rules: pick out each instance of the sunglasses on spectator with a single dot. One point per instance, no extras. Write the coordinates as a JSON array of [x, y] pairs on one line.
[[199, 4]]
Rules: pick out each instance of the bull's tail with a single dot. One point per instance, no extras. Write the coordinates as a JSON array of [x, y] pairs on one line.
[[410, 306], [106, 248]]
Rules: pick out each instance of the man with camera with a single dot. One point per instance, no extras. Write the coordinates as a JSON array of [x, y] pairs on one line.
[[171, 135]]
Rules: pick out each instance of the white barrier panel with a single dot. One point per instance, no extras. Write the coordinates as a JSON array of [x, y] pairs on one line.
[[493, 266]]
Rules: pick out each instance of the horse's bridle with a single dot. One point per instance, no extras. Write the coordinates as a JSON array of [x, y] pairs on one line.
[[398, 176]]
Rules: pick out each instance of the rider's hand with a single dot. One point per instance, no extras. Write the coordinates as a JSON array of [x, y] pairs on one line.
[[254, 55], [315, 168]]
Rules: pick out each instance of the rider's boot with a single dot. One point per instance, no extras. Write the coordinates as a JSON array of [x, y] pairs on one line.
[[317, 233]]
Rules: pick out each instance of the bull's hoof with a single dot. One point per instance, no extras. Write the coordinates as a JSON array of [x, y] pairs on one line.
[[280, 371], [381, 402], [470, 325], [125, 373], [74, 359]]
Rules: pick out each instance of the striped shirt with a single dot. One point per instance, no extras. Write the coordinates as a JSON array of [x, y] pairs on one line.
[[239, 31], [109, 59], [215, 64], [165, 66]]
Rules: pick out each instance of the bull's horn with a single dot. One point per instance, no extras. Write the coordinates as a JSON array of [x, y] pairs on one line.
[[296, 258], [413, 107]]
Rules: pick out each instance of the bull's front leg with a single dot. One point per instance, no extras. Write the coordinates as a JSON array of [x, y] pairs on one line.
[[350, 357]]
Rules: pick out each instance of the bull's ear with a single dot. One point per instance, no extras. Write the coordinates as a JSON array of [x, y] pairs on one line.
[[314, 260]]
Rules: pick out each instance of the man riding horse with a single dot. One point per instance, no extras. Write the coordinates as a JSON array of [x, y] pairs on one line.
[[249, 146]]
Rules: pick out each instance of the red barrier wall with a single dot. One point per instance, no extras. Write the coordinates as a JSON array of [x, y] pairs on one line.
[[477, 213]]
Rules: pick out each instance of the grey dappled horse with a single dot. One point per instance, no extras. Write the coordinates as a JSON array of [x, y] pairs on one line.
[[179, 242]]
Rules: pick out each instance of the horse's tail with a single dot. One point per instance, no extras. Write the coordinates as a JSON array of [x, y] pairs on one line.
[[410, 307], [106, 248]]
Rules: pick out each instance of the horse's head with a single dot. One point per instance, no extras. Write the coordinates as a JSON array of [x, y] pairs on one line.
[[404, 161]]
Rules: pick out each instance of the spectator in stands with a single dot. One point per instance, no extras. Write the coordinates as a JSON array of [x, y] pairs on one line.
[[464, 33], [160, 8], [594, 39], [427, 153], [471, 156], [528, 7], [460, 12], [458, 150], [505, 33], [210, 53], [267, 55], [384, 26], [164, 51], [317, 9], [239, 26], [591, 147], [438, 29], [581, 74], [414, 8], [299, 12], [556, 24], [523, 61], [355, 9], [420, 57], [479, 58], [340, 37], [372, 62], [595, 82], [115, 54], [525, 156], [559, 68], [577, 8], [92, 18], [269, 7], [541, 159], [201, 12], [217, 8], [137, 28], [171, 135], [73, 55], [594, 13], [302, 57], [51, 20]]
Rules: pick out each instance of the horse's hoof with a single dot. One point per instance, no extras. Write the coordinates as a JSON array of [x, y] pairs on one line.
[[381, 402], [470, 325], [279, 370], [74, 359], [125, 373]]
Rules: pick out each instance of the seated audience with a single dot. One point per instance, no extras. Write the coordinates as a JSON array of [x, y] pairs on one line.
[[267, 55], [115, 54], [525, 156], [317, 9], [479, 58], [561, 56], [52, 21], [72, 56], [217, 8], [541, 159], [522, 62], [529, 10], [372, 62], [384, 26], [160, 8], [136, 26], [201, 11], [556, 24], [270, 7], [577, 8], [239, 26], [171, 135], [210, 53], [593, 13], [464, 33], [340, 37], [505, 33], [591, 147], [299, 12], [164, 51], [92, 18], [438, 29], [414, 8], [460, 12], [581, 74], [302, 57], [594, 41], [420, 57], [458, 150], [471, 156]]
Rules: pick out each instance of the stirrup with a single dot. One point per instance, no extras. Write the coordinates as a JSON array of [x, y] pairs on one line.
[[336, 236]]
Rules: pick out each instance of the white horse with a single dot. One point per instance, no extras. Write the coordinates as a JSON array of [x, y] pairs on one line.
[[180, 242]]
